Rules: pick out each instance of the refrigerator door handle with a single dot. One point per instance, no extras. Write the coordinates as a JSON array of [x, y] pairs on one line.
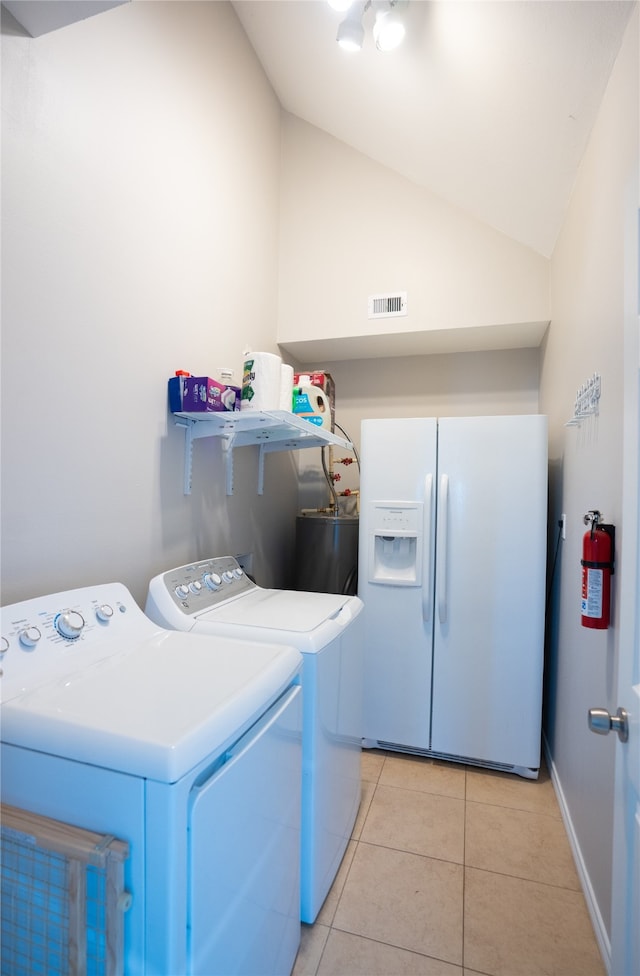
[[443, 527], [426, 549]]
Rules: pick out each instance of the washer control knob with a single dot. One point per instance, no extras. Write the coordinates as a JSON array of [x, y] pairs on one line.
[[212, 581], [69, 624], [227, 576], [182, 591], [238, 572], [29, 637], [4, 645], [104, 613], [196, 586]]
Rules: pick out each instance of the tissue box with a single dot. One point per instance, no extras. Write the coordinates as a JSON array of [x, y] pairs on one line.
[[201, 394]]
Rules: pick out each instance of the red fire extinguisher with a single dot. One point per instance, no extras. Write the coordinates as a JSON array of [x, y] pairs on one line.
[[598, 548]]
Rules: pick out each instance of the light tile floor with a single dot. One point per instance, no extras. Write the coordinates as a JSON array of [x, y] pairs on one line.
[[452, 871]]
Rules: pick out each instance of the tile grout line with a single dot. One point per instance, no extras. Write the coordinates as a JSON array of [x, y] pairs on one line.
[[356, 841], [374, 782], [359, 840]]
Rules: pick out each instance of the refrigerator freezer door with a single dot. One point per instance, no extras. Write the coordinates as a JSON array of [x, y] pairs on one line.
[[398, 466], [489, 629]]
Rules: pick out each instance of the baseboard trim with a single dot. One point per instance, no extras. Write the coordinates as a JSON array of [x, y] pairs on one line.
[[600, 931]]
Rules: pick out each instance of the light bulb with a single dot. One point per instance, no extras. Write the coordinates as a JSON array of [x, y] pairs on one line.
[[388, 31]]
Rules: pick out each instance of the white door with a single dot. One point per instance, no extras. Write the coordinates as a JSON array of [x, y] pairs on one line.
[[625, 907], [489, 603], [625, 935]]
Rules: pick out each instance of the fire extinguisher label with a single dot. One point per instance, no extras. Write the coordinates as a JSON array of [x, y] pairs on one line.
[[591, 592]]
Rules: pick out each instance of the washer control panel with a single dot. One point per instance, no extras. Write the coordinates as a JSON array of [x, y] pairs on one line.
[[202, 585], [54, 636]]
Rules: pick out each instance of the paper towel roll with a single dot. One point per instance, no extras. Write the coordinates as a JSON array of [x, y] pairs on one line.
[[261, 381], [286, 386]]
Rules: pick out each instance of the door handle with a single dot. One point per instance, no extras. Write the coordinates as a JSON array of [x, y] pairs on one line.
[[426, 549], [602, 722], [441, 557]]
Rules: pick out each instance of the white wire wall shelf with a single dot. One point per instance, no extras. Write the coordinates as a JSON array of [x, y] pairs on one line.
[[273, 430]]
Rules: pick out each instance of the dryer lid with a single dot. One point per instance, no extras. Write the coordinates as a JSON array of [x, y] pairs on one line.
[[292, 611]]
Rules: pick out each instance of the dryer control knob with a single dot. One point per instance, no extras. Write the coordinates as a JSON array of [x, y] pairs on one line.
[[104, 613], [30, 636], [182, 591], [212, 581], [69, 624], [227, 576], [196, 586], [238, 572], [4, 645]]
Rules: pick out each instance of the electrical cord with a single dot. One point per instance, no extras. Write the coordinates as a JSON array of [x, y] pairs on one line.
[[553, 568]]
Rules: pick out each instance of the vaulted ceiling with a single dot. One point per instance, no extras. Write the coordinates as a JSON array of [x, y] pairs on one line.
[[487, 104]]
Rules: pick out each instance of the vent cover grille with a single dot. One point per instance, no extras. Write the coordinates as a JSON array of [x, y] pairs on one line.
[[384, 306]]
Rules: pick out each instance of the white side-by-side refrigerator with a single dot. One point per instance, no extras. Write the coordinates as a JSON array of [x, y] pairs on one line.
[[452, 565]]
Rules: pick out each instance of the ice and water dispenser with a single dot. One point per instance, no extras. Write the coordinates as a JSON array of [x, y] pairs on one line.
[[395, 543]]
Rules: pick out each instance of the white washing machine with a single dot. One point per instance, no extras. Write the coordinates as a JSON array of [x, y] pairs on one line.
[[186, 746], [214, 596]]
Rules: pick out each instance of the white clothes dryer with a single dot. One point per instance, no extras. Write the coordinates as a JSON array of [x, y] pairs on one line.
[[186, 746], [215, 596]]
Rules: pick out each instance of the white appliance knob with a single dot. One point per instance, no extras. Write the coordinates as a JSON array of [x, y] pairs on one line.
[[4, 645], [238, 573], [104, 613], [182, 590], [30, 636], [227, 576], [69, 624], [212, 581], [196, 586]]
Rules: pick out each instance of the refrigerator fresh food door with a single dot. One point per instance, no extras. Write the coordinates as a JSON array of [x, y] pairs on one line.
[[397, 524], [490, 580]]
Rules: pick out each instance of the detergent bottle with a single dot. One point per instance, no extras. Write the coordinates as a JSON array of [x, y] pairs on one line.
[[312, 403]]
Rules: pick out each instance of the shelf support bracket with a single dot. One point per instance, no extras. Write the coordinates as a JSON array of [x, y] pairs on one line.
[[227, 448], [188, 456], [261, 471]]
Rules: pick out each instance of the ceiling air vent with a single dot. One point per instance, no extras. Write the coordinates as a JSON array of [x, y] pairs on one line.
[[383, 306]]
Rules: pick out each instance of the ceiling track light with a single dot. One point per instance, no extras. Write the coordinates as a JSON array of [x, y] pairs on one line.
[[388, 28], [350, 34]]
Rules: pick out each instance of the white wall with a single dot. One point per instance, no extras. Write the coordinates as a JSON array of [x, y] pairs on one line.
[[352, 228], [140, 178], [349, 228], [587, 335]]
